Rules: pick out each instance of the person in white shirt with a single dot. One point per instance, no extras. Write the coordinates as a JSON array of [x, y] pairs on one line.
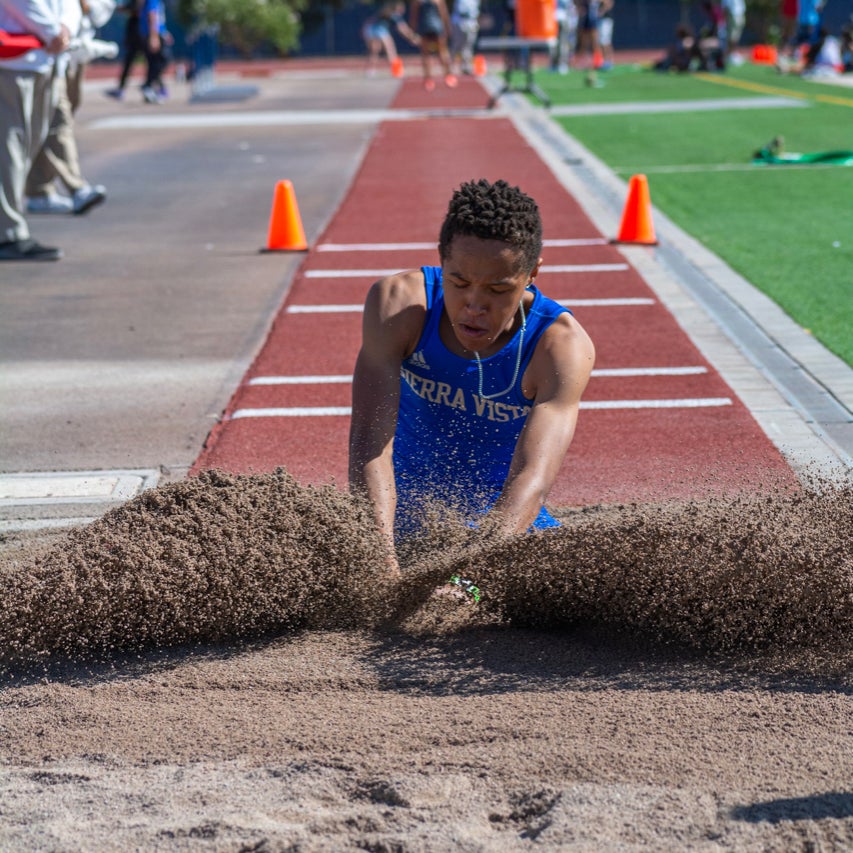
[[58, 158], [28, 97], [464, 29]]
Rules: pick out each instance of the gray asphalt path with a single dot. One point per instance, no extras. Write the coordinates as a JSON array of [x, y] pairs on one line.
[[121, 355]]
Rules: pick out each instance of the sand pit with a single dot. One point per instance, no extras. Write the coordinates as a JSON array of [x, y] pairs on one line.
[[219, 665]]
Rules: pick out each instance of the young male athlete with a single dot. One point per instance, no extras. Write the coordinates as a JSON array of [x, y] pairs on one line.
[[467, 386]]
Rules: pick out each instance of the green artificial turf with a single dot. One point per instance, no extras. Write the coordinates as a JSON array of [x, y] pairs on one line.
[[788, 230]]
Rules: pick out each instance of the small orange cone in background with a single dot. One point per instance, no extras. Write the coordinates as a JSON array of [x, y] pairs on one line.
[[286, 233], [597, 58], [765, 54], [479, 65], [637, 225], [397, 69]]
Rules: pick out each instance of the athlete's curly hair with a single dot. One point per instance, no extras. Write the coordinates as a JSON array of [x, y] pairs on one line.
[[494, 211]]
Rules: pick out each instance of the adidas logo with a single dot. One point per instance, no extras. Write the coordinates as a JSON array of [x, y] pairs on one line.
[[418, 359]]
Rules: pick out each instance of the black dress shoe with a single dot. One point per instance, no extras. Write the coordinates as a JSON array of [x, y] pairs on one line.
[[28, 250]]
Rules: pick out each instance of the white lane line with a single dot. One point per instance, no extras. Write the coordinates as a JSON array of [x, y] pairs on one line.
[[754, 168], [300, 380], [323, 309], [283, 118], [568, 303], [327, 411], [652, 107], [649, 371], [379, 273], [293, 412], [400, 247], [343, 379], [687, 403], [605, 303], [583, 268]]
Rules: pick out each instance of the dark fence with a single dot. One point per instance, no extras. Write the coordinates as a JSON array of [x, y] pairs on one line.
[[638, 24]]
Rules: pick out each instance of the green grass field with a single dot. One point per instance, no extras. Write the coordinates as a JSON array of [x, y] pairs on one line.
[[787, 229]]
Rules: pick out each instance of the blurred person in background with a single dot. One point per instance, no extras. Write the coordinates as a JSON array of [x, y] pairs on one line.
[[134, 46], [378, 34], [464, 29], [431, 21], [58, 158], [566, 16], [157, 40], [605, 37]]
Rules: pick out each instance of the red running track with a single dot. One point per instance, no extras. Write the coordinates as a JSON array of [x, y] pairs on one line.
[[657, 421]]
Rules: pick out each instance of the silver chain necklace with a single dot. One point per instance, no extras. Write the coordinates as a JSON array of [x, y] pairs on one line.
[[517, 362]]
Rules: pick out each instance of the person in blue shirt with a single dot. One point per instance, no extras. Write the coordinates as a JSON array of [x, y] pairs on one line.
[[468, 382], [157, 39]]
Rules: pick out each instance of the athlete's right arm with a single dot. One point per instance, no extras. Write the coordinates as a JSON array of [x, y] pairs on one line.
[[393, 317]]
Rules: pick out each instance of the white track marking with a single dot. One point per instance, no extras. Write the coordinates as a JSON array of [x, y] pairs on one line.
[[604, 372], [324, 309], [649, 371], [687, 403], [293, 412], [754, 168], [300, 380], [654, 107], [379, 273], [292, 118], [330, 411], [400, 247]]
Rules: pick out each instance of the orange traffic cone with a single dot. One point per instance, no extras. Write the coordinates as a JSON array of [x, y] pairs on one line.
[[597, 58], [479, 65], [397, 69], [636, 225], [286, 233]]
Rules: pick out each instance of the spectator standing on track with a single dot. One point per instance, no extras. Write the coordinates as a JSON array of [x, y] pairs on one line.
[[134, 45], [735, 11], [566, 17], [464, 29], [152, 27], [589, 18], [605, 37], [431, 21], [467, 387], [713, 37], [378, 34], [27, 102], [788, 12], [58, 158]]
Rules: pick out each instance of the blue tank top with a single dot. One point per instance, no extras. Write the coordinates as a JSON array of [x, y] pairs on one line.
[[452, 445]]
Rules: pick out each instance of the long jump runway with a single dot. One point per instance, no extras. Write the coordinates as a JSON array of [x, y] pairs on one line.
[[657, 421]]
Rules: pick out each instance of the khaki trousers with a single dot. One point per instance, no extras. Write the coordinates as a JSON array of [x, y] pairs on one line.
[[58, 157], [26, 108]]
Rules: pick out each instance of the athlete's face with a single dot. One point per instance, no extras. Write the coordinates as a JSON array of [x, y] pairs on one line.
[[483, 284]]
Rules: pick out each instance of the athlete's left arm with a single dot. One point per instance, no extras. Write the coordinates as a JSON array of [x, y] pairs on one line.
[[555, 379]]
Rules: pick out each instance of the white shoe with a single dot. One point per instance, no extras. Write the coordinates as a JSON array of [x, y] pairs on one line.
[[150, 96], [88, 197], [52, 203]]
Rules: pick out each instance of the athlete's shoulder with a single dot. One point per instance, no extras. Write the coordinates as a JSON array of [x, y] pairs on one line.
[[395, 293]]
